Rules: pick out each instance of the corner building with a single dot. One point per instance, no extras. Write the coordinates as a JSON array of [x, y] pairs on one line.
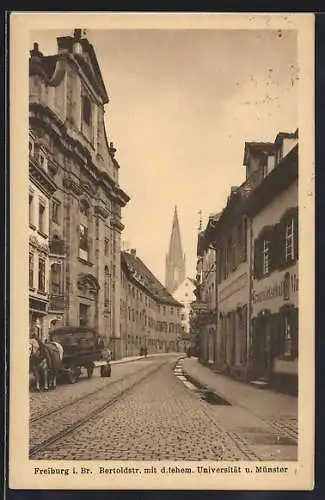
[[274, 302], [67, 96]]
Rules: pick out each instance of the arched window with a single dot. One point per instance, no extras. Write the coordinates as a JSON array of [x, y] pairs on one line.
[[84, 231]]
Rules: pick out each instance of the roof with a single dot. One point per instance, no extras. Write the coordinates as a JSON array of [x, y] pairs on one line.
[[259, 148], [286, 135], [142, 274]]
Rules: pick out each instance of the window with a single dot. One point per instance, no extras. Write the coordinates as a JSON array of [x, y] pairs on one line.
[[41, 274], [171, 310], [83, 314], [106, 247], [106, 286], [31, 270], [83, 242], [86, 110], [266, 256], [41, 216], [55, 279], [288, 351], [55, 211], [289, 241], [31, 208]]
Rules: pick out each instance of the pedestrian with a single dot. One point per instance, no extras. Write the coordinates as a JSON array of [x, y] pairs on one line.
[[146, 351]]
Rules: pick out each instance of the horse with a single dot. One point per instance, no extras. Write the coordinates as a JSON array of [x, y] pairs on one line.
[[44, 361]]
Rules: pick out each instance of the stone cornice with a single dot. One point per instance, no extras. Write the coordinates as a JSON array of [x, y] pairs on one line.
[[38, 246], [102, 211], [41, 178], [116, 222], [68, 183]]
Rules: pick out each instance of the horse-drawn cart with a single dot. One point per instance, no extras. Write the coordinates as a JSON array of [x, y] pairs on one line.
[[82, 348]]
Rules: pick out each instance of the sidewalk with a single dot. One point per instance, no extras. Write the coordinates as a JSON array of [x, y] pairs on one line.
[[261, 402], [262, 423]]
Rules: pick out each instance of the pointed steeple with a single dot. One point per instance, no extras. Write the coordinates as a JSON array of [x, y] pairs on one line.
[[175, 259], [175, 243]]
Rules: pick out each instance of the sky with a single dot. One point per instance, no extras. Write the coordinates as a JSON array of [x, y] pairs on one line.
[[182, 104]]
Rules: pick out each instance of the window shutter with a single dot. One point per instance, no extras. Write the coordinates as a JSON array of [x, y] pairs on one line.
[[296, 234], [281, 244], [274, 250], [258, 258]]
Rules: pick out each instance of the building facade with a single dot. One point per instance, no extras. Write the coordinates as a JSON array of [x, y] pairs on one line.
[[67, 97], [204, 309], [150, 316], [175, 258], [256, 243], [41, 189], [275, 310]]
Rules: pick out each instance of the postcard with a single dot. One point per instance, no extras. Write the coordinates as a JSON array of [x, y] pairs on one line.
[[162, 187]]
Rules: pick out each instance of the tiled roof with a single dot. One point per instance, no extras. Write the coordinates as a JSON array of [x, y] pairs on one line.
[[140, 272]]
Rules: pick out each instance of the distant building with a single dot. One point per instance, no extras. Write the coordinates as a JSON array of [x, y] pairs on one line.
[[150, 316], [67, 98], [184, 294], [175, 259], [206, 314]]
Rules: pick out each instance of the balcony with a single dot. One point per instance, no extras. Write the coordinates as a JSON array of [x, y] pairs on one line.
[[57, 247], [56, 302]]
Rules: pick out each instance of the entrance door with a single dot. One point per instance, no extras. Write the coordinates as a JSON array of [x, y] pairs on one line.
[[262, 350]]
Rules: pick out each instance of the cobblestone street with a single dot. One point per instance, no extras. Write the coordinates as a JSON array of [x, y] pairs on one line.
[[150, 414]]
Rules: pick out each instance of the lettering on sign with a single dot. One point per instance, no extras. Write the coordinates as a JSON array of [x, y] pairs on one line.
[[283, 288]]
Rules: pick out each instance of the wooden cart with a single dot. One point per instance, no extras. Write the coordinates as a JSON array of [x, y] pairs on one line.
[[82, 348]]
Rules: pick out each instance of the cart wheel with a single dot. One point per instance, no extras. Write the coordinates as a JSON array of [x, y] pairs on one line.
[[105, 371], [71, 376], [90, 371]]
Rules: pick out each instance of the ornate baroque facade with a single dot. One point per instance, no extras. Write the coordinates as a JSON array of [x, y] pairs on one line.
[[67, 96]]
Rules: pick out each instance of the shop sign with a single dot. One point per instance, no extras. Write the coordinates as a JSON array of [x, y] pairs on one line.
[[199, 307], [284, 288]]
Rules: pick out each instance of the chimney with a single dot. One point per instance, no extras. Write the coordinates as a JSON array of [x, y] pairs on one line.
[[35, 52], [77, 37], [133, 252], [64, 43]]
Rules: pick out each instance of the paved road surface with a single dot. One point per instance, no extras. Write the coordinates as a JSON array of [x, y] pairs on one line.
[[145, 412]]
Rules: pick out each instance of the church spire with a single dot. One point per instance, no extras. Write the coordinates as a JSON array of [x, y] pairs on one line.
[[175, 259]]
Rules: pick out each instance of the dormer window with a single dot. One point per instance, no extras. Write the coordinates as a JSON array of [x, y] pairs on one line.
[[86, 110]]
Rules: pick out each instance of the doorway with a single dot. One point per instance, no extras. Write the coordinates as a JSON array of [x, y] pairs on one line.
[[262, 348]]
